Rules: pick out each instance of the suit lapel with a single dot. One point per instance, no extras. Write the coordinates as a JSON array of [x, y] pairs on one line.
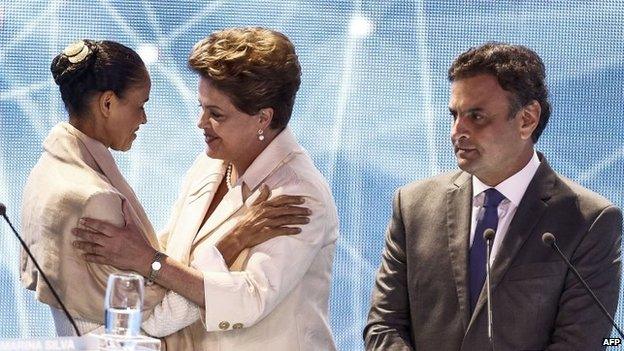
[[530, 211], [459, 204], [280, 151], [230, 204], [198, 199], [204, 188]]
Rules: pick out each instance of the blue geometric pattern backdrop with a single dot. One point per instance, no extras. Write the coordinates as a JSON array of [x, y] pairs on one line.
[[372, 109]]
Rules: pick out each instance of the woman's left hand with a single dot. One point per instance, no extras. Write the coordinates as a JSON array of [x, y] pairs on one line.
[[124, 248]]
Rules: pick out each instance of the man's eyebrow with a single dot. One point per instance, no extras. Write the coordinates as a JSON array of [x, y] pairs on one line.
[[470, 110]]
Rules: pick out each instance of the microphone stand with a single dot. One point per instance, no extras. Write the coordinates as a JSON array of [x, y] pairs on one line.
[[549, 240], [488, 235], [71, 320]]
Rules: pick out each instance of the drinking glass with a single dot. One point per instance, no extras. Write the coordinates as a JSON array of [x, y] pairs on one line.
[[123, 303]]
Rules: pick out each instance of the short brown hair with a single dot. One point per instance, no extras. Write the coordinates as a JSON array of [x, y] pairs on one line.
[[255, 67], [517, 69]]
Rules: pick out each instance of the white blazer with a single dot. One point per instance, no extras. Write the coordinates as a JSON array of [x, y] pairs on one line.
[[278, 298], [75, 177]]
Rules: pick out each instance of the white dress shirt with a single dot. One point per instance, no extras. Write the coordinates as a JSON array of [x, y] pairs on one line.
[[513, 188]]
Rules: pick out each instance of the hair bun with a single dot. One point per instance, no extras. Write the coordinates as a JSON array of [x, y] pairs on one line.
[[73, 61], [77, 51]]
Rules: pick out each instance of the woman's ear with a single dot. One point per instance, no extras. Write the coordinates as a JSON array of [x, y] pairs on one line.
[[105, 102], [265, 116]]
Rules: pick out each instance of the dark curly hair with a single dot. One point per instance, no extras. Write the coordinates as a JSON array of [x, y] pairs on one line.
[[518, 70], [255, 67], [107, 65]]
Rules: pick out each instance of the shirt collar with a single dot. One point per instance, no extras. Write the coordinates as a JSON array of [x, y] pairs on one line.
[[279, 151], [512, 188], [92, 144], [63, 140]]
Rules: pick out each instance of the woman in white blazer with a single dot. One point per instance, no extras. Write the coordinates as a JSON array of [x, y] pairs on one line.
[[104, 86], [274, 296]]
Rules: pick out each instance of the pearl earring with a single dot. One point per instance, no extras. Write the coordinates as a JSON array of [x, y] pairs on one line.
[[260, 134]]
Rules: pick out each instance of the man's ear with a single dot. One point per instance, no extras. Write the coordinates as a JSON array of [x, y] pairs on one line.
[[529, 119]]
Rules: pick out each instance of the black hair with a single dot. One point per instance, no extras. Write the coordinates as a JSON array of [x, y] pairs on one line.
[[518, 70], [87, 67]]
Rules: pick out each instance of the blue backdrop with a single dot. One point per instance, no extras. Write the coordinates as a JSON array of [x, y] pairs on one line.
[[372, 109]]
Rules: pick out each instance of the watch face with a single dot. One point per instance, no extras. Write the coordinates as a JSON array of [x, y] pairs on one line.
[[156, 266]]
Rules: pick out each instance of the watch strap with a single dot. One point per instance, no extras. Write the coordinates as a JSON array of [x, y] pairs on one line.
[[157, 261]]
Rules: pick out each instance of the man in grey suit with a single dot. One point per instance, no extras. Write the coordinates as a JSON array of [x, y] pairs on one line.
[[428, 293]]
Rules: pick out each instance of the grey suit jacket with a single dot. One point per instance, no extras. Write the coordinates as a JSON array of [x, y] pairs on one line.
[[421, 296]]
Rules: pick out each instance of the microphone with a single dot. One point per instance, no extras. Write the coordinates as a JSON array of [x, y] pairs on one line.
[[488, 236], [549, 240], [71, 320]]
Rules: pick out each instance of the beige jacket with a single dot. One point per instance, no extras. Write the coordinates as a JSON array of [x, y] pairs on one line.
[[75, 177]]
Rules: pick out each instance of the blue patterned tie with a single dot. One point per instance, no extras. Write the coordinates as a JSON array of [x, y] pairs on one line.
[[489, 219]]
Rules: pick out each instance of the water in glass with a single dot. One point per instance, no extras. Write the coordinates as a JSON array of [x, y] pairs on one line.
[[124, 299]]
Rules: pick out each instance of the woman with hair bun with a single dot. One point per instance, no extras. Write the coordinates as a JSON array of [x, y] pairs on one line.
[[104, 86]]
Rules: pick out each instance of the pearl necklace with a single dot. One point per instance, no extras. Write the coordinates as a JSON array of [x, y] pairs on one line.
[[228, 176]]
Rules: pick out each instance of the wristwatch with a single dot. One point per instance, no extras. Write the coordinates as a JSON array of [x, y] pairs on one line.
[[155, 267]]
